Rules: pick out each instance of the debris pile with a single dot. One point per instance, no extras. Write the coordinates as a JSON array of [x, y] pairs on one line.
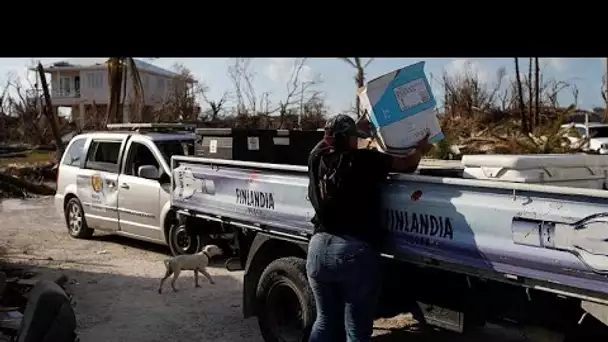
[[15, 285], [23, 175]]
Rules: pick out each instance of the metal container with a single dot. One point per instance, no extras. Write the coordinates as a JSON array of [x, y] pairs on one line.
[[214, 143], [255, 145], [236, 144], [282, 145], [302, 142]]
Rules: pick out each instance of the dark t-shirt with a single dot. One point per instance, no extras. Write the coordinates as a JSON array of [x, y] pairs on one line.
[[356, 211]]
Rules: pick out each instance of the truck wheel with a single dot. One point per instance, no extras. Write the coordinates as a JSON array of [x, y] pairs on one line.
[[285, 302], [183, 240], [75, 220]]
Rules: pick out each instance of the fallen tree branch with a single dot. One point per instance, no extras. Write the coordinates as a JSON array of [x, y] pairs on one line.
[[11, 190], [15, 154], [37, 189]]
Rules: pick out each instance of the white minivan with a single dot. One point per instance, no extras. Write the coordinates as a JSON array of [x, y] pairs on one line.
[[119, 182]]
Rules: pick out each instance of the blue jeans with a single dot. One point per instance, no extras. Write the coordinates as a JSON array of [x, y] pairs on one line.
[[344, 274]]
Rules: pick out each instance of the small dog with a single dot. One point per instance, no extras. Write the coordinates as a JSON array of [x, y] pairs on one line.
[[194, 262]]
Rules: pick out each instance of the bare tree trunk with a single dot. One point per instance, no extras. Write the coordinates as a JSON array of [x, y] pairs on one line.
[[359, 77], [360, 80], [606, 93], [520, 93], [121, 106], [50, 114], [530, 98], [115, 82], [537, 91]]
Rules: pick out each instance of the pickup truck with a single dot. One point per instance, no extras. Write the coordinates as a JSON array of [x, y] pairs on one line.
[[462, 251], [119, 182]]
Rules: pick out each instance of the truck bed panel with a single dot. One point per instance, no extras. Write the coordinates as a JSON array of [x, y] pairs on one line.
[[555, 238]]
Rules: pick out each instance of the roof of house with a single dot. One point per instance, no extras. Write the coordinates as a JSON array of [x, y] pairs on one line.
[[99, 63]]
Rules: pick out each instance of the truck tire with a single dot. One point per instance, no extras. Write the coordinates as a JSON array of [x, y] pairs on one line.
[[75, 220], [183, 240], [285, 302]]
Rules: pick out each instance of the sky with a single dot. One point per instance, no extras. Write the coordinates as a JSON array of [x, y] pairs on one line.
[[272, 74]]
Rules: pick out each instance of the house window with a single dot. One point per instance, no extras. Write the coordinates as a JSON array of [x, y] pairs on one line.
[[95, 80], [65, 85]]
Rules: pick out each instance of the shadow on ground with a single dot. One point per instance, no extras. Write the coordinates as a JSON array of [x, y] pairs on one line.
[[112, 307], [118, 307], [217, 262], [394, 335], [131, 243]]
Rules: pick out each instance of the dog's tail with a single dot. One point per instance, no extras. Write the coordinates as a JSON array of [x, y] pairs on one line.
[[166, 262]]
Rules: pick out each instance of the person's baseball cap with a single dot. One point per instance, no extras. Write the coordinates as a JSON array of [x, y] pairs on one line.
[[343, 124]]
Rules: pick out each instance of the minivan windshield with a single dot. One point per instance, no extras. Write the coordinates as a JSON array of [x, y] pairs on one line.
[[170, 148]]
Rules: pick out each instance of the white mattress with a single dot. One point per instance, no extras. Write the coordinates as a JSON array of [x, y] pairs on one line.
[[534, 161], [571, 170]]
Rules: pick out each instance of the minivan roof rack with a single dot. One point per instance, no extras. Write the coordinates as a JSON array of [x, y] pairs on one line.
[[151, 127]]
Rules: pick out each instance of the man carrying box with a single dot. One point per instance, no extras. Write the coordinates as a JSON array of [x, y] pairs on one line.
[[343, 263]]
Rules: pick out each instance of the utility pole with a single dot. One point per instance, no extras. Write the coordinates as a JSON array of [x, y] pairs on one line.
[[301, 107], [49, 112]]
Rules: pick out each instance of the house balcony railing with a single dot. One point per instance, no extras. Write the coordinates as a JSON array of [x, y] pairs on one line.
[[55, 93]]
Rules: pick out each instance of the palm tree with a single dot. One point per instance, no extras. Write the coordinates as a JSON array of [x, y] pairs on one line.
[[117, 80], [356, 63]]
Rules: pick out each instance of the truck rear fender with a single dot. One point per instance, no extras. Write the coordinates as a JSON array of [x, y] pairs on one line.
[[265, 249], [167, 216]]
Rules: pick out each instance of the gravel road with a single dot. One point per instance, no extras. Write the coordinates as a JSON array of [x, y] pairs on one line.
[[114, 281]]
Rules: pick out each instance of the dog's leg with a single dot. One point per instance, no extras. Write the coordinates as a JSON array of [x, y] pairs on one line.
[[175, 275], [204, 272], [162, 281], [196, 278]]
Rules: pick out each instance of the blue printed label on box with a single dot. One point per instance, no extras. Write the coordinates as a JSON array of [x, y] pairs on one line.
[[401, 106]]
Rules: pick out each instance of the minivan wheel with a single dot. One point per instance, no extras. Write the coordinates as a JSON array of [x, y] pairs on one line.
[[75, 220], [285, 303], [183, 240]]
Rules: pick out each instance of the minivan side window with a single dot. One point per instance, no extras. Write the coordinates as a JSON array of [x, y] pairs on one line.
[[139, 155], [103, 156], [75, 153]]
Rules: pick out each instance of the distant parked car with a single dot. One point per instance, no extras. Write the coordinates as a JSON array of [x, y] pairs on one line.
[[598, 136]]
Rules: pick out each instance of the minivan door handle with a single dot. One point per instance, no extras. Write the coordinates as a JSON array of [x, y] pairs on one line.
[[124, 185]]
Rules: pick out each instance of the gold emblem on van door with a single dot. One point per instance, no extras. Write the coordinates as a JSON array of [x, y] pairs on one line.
[[96, 183]]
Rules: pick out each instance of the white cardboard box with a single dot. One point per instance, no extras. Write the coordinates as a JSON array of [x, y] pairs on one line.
[[401, 107]]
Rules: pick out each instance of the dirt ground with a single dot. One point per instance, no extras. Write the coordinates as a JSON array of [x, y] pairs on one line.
[[114, 282]]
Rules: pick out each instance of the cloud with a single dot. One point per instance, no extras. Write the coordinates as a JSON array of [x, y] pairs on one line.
[[463, 66], [558, 64], [280, 70]]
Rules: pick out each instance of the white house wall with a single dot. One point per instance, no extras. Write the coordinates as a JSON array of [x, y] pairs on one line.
[[94, 87]]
